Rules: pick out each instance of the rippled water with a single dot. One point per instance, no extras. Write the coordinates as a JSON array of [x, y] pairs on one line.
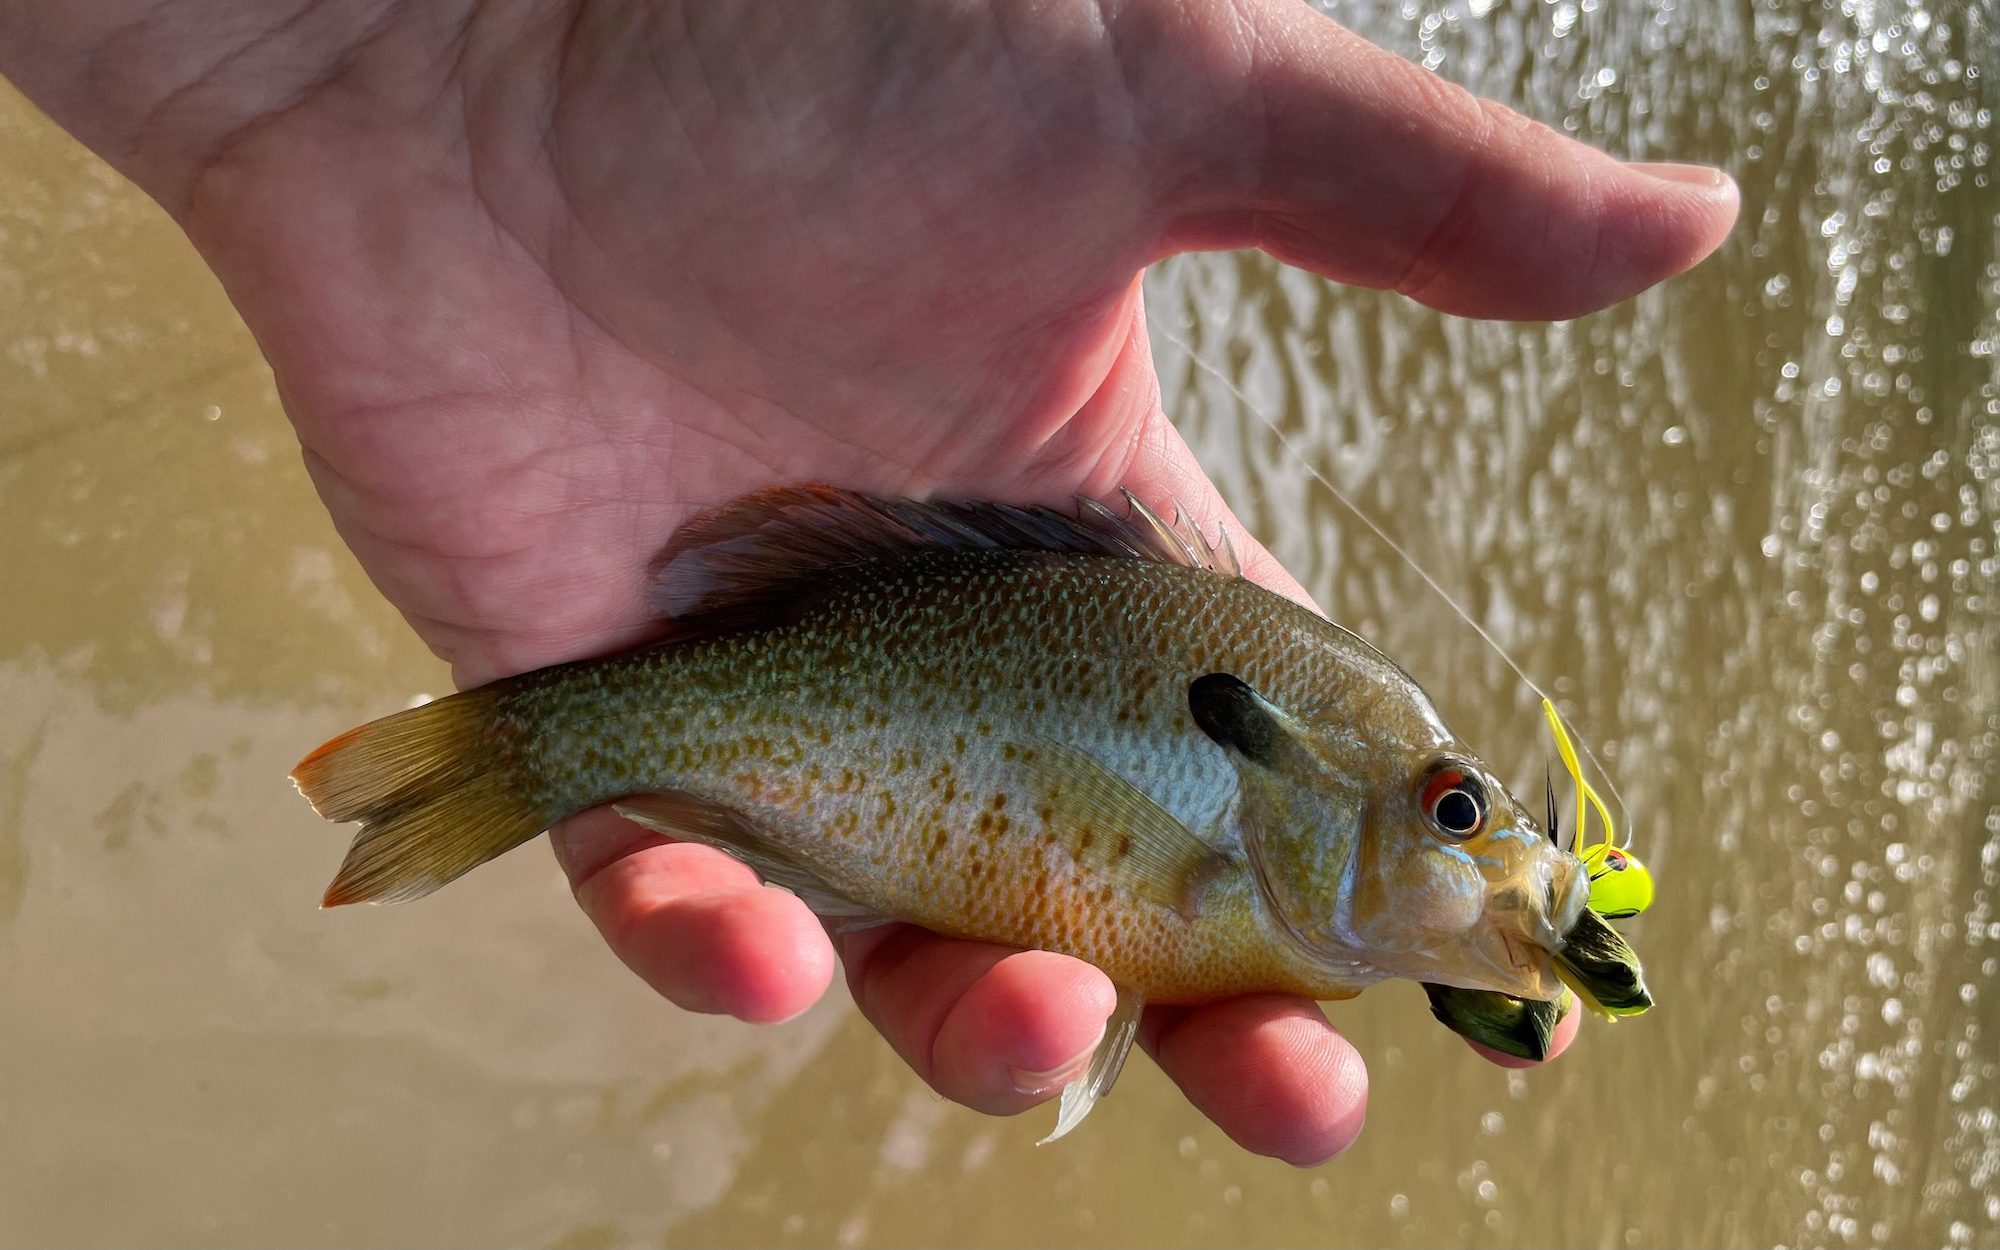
[[1747, 526]]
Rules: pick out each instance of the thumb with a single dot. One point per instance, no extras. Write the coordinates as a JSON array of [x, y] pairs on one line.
[[1333, 155]]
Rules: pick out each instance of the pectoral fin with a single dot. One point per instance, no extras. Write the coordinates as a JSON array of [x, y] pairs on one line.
[[1080, 1095], [692, 819], [1115, 828]]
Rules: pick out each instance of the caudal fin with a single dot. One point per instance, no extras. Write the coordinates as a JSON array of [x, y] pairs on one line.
[[435, 791]]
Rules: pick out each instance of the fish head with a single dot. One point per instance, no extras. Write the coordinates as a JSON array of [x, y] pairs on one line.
[[1392, 850], [1453, 882]]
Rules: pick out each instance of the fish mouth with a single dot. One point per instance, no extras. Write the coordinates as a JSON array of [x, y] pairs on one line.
[[1531, 968], [1568, 895], [1532, 946]]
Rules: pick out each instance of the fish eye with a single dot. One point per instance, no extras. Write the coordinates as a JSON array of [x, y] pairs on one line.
[[1453, 800]]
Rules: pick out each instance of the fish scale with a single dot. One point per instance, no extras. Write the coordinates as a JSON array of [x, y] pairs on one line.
[[909, 802]]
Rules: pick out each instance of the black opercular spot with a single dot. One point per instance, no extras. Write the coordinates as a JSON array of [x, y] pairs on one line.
[[1234, 715]]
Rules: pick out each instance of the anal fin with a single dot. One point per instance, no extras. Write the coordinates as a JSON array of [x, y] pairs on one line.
[[690, 818], [1106, 1062]]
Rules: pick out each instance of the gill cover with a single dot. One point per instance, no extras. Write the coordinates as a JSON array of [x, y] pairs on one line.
[[1345, 895]]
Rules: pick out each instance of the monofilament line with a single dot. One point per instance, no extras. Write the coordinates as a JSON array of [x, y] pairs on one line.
[[1362, 515]]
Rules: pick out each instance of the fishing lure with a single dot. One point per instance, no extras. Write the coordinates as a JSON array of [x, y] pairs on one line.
[[1598, 965], [1620, 886]]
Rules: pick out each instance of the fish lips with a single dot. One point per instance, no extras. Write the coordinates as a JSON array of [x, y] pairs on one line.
[[1569, 898], [1532, 927]]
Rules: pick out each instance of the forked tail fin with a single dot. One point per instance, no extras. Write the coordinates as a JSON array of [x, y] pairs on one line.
[[436, 791]]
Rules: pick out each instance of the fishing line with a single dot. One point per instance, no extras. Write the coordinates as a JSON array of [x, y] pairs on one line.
[[1374, 527]]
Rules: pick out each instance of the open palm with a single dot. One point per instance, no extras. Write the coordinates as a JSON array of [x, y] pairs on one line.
[[538, 279]]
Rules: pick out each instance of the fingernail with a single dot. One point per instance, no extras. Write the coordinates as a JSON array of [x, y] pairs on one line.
[[1687, 175], [1035, 1084]]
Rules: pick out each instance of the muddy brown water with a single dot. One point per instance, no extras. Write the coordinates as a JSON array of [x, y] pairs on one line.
[[1744, 525]]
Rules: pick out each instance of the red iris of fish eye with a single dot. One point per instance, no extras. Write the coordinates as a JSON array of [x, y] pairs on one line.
[[1439, 789], [1615, 860], [1441, 783]]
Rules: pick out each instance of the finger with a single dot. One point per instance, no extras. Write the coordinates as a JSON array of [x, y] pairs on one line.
[[1559, 1040], [695, 924], [1269, 1070], [1337, 156], [1138, 449], [996, 1029]]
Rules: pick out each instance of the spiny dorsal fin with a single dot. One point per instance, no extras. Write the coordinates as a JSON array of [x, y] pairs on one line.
[[739, 562]]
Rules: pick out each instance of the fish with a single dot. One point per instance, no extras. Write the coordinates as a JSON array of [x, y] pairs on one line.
[[1075, 730]]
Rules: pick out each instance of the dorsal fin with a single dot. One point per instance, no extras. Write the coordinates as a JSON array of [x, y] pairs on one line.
[[737, 564]]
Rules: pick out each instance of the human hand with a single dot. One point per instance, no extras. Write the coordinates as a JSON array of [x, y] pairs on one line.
[[538, 279]]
